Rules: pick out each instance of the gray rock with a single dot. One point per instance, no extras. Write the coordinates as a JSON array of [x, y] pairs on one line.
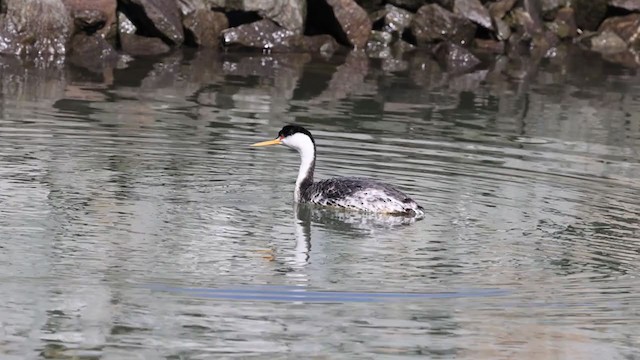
[[564, 25], [433, 23], [549, 6], [631, 5], [425, 72], [524, 24], [454, 58], [380, 37], [401, 46], [290, 15], [589, 13], [395, 19], [186, 7], [34, 27], [92, 52], [205, 26], [503, 30], [474, 11], [94, 16], [626, 27], [323, 44], [264, 34], [161, 15], [137, 45], [534, 9], [608, 42], [500, 8], [378, 44], [353, 20]]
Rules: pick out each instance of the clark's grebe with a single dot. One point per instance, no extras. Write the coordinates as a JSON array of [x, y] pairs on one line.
[[345, 192]]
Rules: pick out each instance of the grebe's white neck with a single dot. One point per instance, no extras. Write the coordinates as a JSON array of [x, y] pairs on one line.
[[307, 150]]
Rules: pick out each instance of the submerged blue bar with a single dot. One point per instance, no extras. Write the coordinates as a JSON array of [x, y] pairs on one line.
[[280, 293]]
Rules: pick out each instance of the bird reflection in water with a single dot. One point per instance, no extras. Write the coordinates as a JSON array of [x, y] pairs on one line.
[[355, 223]]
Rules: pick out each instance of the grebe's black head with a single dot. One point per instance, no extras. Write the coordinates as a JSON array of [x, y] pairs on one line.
[[291, 130], [293, 136]]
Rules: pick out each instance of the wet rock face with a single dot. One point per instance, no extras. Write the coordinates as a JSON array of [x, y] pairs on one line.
[[433, 23], [626, 27], [631, 5], [94, 16], [474, 11], [156, 17], [549, 6], [354, 21], [188, 6], [91, 52], [290, 15], [608, 42], [205, 27], [263, 34], [455, 58], [34, 27], [564, 25], [500, 8], [394, 19], [137, 45]]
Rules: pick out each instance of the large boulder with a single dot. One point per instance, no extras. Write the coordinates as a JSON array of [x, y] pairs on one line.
[[94, 16], [564, 25], [433, 23], [263, 34], [393, 19], [353, 20], [608, 42], [631, 5], [500, 8], [34, 27], [137, 45], [160, 18], [290, 15], [92, 52], [455, 58], [205, 26], [626, 27], [474, 11]]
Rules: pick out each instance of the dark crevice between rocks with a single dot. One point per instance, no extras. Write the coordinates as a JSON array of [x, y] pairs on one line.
[[144, 26], [613, 11], [237, 17], [321, 20], [484, 33], [189, 38], [407, 35]]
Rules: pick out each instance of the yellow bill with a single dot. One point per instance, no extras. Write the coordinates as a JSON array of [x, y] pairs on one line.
[[267, 143]]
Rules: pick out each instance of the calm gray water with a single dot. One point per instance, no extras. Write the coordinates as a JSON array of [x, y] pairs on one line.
[[136, 223]]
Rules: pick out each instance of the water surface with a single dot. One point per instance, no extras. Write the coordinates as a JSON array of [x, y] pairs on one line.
[[137, 223]]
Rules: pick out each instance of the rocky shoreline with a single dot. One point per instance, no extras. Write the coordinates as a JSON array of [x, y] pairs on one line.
[[459, 34]]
